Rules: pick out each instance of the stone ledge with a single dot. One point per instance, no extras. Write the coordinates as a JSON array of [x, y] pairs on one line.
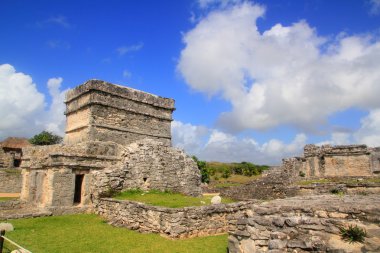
[[120, 91], [68, 112], [121, 129]]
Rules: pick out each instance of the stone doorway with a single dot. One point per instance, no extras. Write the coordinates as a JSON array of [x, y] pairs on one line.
[[78, 188]]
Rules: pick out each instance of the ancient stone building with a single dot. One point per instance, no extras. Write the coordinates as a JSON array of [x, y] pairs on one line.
[[117, 138], [11, 152], [335, 161], [100, 111]]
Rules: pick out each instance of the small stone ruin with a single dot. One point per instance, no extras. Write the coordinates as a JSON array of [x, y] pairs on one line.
[[117, 138], [335, 161]]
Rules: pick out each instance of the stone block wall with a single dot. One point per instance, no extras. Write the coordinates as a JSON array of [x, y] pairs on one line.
[[101, 111], [49, 172], [149, 164], [335, 161], [308, 224], [172, 222], [6, 159], [10, 181]]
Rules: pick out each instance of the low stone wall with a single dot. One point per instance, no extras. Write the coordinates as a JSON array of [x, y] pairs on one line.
[[346, 188], [308, 224], [10, 181], [10, 205], [173, 222]]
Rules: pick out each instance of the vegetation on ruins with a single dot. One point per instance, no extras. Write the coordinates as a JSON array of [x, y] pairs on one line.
[[337, 191], [166, 198], [353, 234], [61, 233], [219, 171], [205, 177], [340, 180], [6, 198], [45, 138]]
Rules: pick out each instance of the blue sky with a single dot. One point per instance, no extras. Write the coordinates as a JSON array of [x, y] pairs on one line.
[[252, 81]]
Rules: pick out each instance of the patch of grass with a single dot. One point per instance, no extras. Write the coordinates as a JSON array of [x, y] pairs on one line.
[[353, 234], [364, 180], [86, 233], [233, 179], [339, 180], [301, 174], [316, 181], [14, 171], [166, 199], [226, 185], [337, 191], [6, 198]]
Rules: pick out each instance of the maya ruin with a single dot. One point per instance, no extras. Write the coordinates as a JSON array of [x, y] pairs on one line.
[[118, 138]]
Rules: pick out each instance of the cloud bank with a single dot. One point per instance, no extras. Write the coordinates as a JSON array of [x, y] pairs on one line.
[[215, 145], [23, 108], [287, 75]]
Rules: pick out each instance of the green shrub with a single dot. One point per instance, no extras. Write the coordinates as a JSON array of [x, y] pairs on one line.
[[45, 138], [337, 191], [205, 177], [353, 234], [226, 173], [302, 174]]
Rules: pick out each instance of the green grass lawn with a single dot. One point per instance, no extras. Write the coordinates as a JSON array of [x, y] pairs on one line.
[[6, 198], [166, 199], [88, 233]]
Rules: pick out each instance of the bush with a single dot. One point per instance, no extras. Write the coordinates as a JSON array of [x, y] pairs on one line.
[[302, 174], [205, 177], [353, 234], [45, 138], [337, 191], [226, 173]]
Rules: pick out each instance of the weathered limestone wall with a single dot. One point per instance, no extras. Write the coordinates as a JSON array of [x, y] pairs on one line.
[[335, 161], [49, 172], [307, 224], [101, 111], [10, 181], [6, 159], [149, 164], [172, 222]]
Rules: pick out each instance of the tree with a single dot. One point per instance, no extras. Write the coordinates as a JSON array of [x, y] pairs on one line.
[[205, 178], [45, 138]]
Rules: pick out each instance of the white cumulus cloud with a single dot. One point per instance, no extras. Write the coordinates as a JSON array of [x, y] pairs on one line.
[[22, 106], [369, 132], [216, 145], [284, 75]]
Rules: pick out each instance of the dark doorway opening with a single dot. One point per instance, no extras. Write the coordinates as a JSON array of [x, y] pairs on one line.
[[16, 162], [78, 188]]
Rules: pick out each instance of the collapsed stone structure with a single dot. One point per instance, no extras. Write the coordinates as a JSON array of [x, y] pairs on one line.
[[116, 138], [335, 161], [11, 152], [307, 224]]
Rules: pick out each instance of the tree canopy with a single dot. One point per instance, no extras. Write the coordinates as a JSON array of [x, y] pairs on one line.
[[45, 138]]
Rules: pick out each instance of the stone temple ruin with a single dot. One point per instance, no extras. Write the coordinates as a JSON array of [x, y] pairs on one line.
[[335, 161], [116, 138]]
